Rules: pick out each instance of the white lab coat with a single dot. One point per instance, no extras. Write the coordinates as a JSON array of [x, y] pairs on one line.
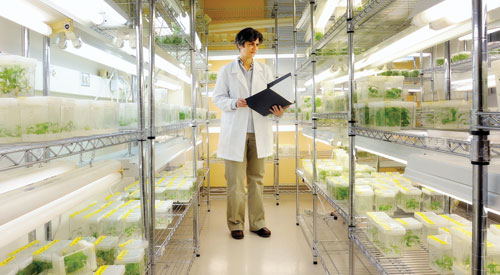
[[231, 85]]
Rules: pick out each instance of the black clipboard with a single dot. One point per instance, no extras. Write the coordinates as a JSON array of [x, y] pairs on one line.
[[262, 101]]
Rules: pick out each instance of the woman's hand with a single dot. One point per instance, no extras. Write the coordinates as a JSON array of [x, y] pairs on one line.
[[278, 110], [241, 103]]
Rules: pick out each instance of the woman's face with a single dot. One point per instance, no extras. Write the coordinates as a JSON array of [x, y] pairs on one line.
[[249, 49]]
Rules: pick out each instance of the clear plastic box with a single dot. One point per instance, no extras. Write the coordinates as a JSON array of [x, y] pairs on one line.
[[106, 249], [17, 76], [77, 257], [430, 224], [363, 199], [462, 248], [409, 198], [110, 224], [391, 238], [133, 261], [35, 122], [393, 86], [131, 222], [91, 220], [128, 115], [212, 114], [83, 124], [456, 220], [446, 114], [362, 113], [440, 253], [493, 255], [110, 270], [111, 112], [163, 214], [464, 114], [68, 117], [133, 244], [413, 232], [385, 200], [460, 56], [325, 171], [8, 267], [408, 114], [373, 218], [341, 189], [10, 121], [428, 116], [44, 258], [432, 201], [76, 225], [97, 110]]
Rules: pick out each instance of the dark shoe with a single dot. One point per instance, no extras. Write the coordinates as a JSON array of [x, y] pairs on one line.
[[264, 232], [237, 234]]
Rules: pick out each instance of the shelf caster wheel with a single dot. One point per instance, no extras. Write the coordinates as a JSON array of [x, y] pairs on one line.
[[208, 210], [297, 224], [277, 203], [315, 262], [198, 255]]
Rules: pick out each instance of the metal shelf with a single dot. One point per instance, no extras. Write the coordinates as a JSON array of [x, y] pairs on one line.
[[167, 129], [23, 154], [411, 262], [491, 120], [163, 237], [339, 208], [340, 115]]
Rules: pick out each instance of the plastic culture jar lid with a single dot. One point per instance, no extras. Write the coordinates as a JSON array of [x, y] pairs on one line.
[[78, 256], [106, 249], [430, 219], [409, 223], [456, 220], [133, 244], [133, 261], [444, 230], [118, 196], [441, 242], [110, 270], [363, 191], [8, 266], [385, 193]]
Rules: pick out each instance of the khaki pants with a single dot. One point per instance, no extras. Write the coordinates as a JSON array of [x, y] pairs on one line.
[[235, 178]]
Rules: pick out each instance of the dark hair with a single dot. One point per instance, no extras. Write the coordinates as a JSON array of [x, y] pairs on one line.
[[248, 34]]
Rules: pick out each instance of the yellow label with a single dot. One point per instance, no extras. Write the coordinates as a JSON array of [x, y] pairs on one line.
[[23, 248], [93, 213], [127, 203], [122, 254], [81, 211], [160, 181], [8, 260], [182, 183], [126, 243], [445, 229], [43, 249], [402, 187], [452, 220], [127, 214], [101, 270], [438, 239], [424, 217], [402, 221], [132, 185], [75, 241], [466, 232], [107, 204], [112, 195], [134, 193], [396, 181], [99, 240], [110, 213], [497, 226]]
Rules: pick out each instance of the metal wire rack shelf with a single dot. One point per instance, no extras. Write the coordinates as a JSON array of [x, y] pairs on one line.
[[491, 120], [443, 145], [24, 154]]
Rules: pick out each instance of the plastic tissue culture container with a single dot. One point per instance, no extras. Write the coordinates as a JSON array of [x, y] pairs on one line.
[[447, 114], [373, 218], [463, 116], [430, 224], [91, 220], [18, 265], [110, 270], [393, 86], [163, 213], [76, 226], [43, 258], [387, 115], [97, 117], [110, 224], [77, 257], [17, 76], [133, 261], [106, 249], [8, 267], [432, 201], [83, 124], [391, 238], [462, 249], [385, 200], [131, 223], [428, 116], [10, 120], [456, 220], [341, 189], [493, 255], [362, 114], [413, 232], [111, 112], [128, 115], [440, 253], [408, 114], [363, 197], [35, 119], [68, 117], [409, 198]]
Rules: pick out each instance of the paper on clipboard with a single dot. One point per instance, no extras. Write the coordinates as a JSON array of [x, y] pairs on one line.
[[276, 93]]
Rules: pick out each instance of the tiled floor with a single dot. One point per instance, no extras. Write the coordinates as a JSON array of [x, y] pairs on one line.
[[285, 252]]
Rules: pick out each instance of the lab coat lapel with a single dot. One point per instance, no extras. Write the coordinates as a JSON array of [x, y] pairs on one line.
[[241, 78], [256, 79]]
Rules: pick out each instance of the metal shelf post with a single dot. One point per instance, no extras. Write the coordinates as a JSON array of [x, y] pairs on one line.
[[141, 123], [351, 133], [196, 196], [314, 128], [208, 122], [480, 149], [151, 137], [276, 171], [297, 205], [447, 70]]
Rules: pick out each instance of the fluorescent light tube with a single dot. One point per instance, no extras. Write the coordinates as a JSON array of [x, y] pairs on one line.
[[167, 85], [77, 9], [382, 155], [111, 14], [469, 36], [25, 14], [102, 57], [328, 9]]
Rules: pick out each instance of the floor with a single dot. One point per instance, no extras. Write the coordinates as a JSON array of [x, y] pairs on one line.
[[285, 252]]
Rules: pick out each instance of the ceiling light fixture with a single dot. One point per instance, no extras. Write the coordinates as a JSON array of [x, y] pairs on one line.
[[25, 14]]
